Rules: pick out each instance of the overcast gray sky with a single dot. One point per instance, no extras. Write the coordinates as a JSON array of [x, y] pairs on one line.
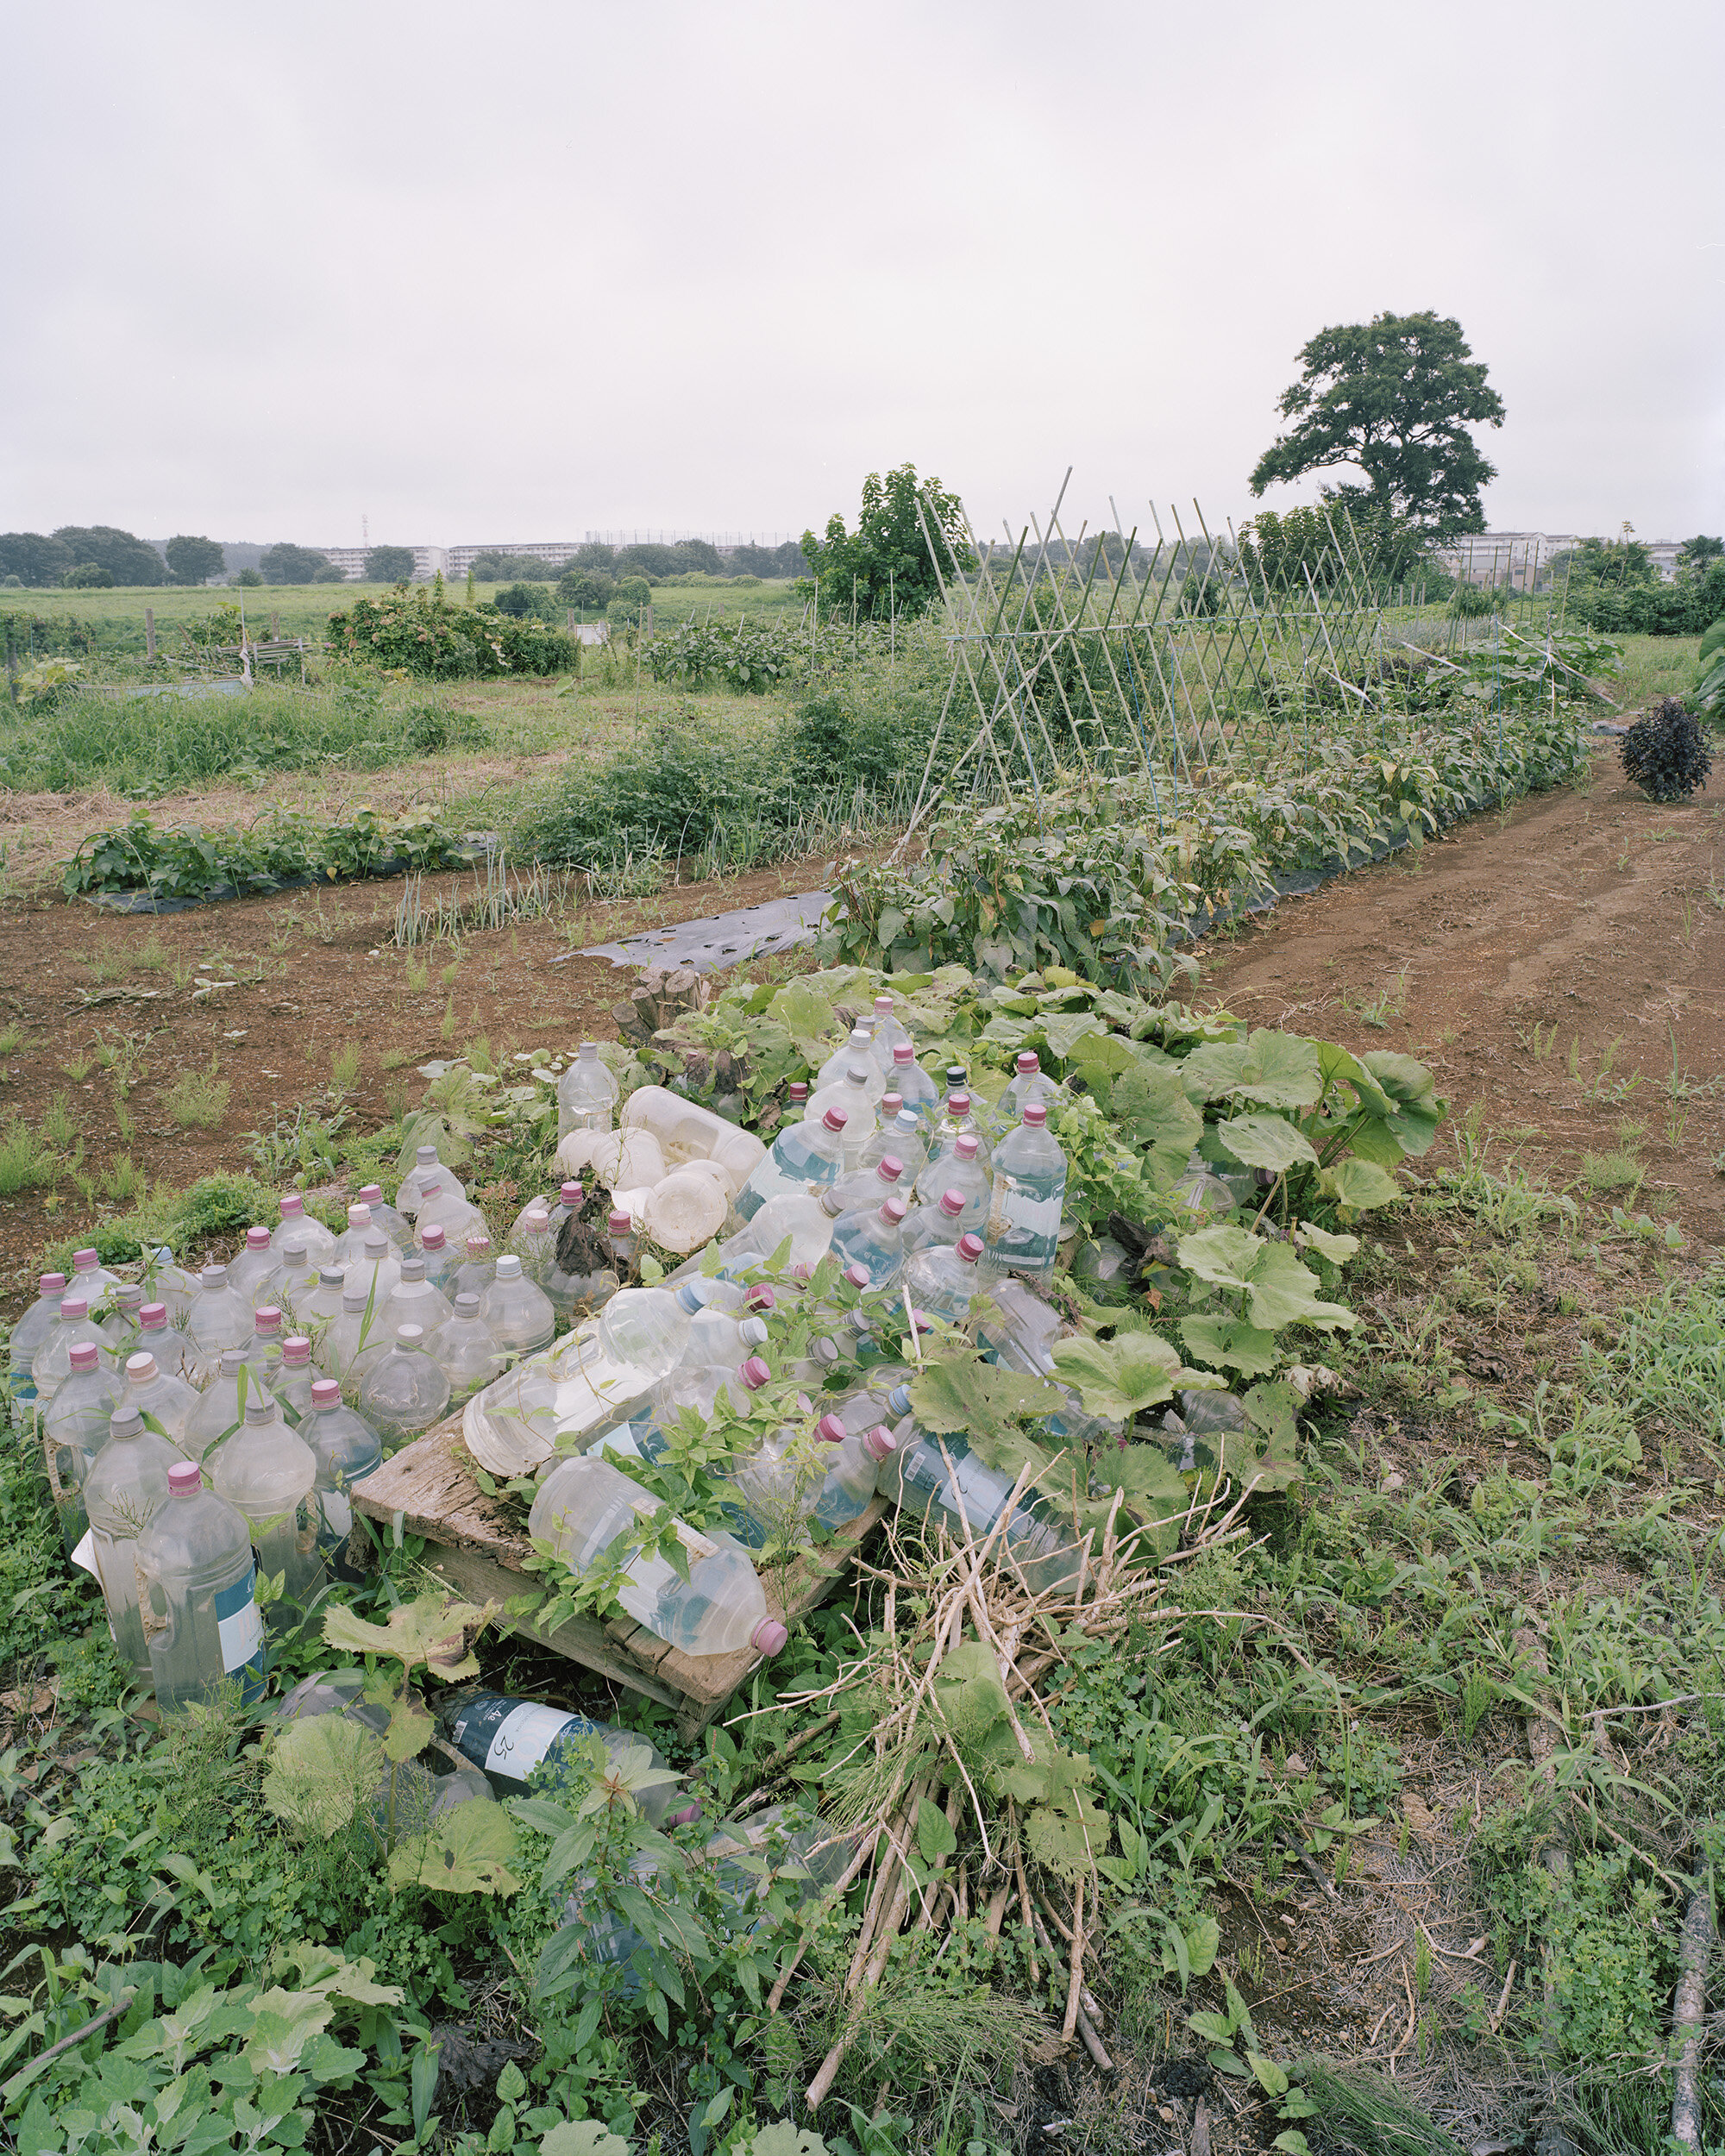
[[491, 273]]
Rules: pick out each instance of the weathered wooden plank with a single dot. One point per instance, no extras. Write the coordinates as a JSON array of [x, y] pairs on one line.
[[481, 1552]]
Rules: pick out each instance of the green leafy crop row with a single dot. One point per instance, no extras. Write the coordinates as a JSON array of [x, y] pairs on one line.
[[182, 862]]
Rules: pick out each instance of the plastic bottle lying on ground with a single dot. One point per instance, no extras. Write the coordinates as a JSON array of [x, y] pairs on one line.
[[584, 1505], [421, 1790], [199, 1609], [916, 1478], [508, 1738], [804, 1156], [127, 1485]]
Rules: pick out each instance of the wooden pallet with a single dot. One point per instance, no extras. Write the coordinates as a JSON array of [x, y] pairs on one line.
[[480, 1551]]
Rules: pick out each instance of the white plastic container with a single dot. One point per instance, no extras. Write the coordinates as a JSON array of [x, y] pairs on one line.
[[687, 1131]]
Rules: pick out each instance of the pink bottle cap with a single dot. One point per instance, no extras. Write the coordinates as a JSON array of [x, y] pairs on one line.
[[891, 1168], [427, 1193], [618, 1224], [325, 1391], [799, 1090], [686, 1817], [952, 1203], [1028, 1062], [1036, 1115], [969, 1248], [293, 1207], [762, 1298], [83, 1356], [756, 1373], [433, 1237], [958, 1104], [856, 1276], [479, 1246], [895, 1210], [82, 1261], [360, 1216], [73, 1307], [257, 1238], [903, 1052], [770, 1636], [141, 1368], [296, 1350], [570, 1194], [830, 1429], [883, 1005], [53, 1284], [922, 1321], [879, 1442], [835, 1119], [372, 1194], [967, 1146], [891, 1105], [185, 1479], [268, 1319]]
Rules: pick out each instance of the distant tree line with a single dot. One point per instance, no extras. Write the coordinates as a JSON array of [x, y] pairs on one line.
[[596, 577]]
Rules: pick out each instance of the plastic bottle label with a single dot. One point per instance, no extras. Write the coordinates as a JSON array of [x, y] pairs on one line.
[[240, 1623], [84, 1555], [526, 1735]]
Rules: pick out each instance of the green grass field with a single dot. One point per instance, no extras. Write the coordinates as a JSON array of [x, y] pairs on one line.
[[304, 610]]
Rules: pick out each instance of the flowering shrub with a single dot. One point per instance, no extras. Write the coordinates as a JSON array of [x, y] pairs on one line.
[[417, 628]]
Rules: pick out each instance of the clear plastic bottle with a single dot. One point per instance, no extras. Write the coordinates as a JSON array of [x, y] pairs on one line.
[[870, 1186], [415, 1302], [1028, 1084], [426, 1168], [943, 1278], [582, 1506], [964, 1169], [957, 1119], [532, 1242], [293, 1284], [74, 1429], [164, 1283], [587, 1094], [717, 1334], [217, 1319], [914, 1086], [297, 1222], [442, 1261], [1015, 1326], [796, 1102], [622, 1241], [90, 1278], [125, 1488], [848, 1489], [252, 1269], [1023, 1235], [778, 1484], [27, 1335], [887, 1035], [898, 1139], [266, 1472], [263, 1350], [856, 1054], [942, 1222], [220, 1409], [1202, 1192], [52, 1364], [478, 1268], [463, 1348], [807, 1155], [120, 1320], [346, 1450], [173, 1349], [353, 1336], [873, 1237], [686, 1131], [352, 1245], [296, 1377], [509, 1738], [517, 1313], [394, 1225], [378, 1271], [691, 1386], [584, 1384], [794, 1213], [440, 1207], [198, 1608], [322, 1305], [159, 1396], [404, 1392], [857, 1098], [916, 1478]]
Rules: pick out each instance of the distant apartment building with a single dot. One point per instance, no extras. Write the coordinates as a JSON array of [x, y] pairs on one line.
[[427, 561], [1520, 558], [454, 562]]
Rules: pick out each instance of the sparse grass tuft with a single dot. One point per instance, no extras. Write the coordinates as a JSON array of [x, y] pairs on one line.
[[24, 1159], [344, 1068], [1602, 1172], [197, 1099]]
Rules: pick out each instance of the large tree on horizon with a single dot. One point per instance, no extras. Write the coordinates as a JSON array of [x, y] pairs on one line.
[[1395, 397]]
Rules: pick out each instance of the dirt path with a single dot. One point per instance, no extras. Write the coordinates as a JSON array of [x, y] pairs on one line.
[[1561, 966]]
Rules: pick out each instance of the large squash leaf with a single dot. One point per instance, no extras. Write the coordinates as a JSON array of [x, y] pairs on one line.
[[1230, 1343], [1266, 1141], [1278, 1289], [1276, 1070], [1359, 1184], [980, 1400], [434, 1629], [1117, 1378], [1153, 1113], [1414, 1120], [466, 1851]]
